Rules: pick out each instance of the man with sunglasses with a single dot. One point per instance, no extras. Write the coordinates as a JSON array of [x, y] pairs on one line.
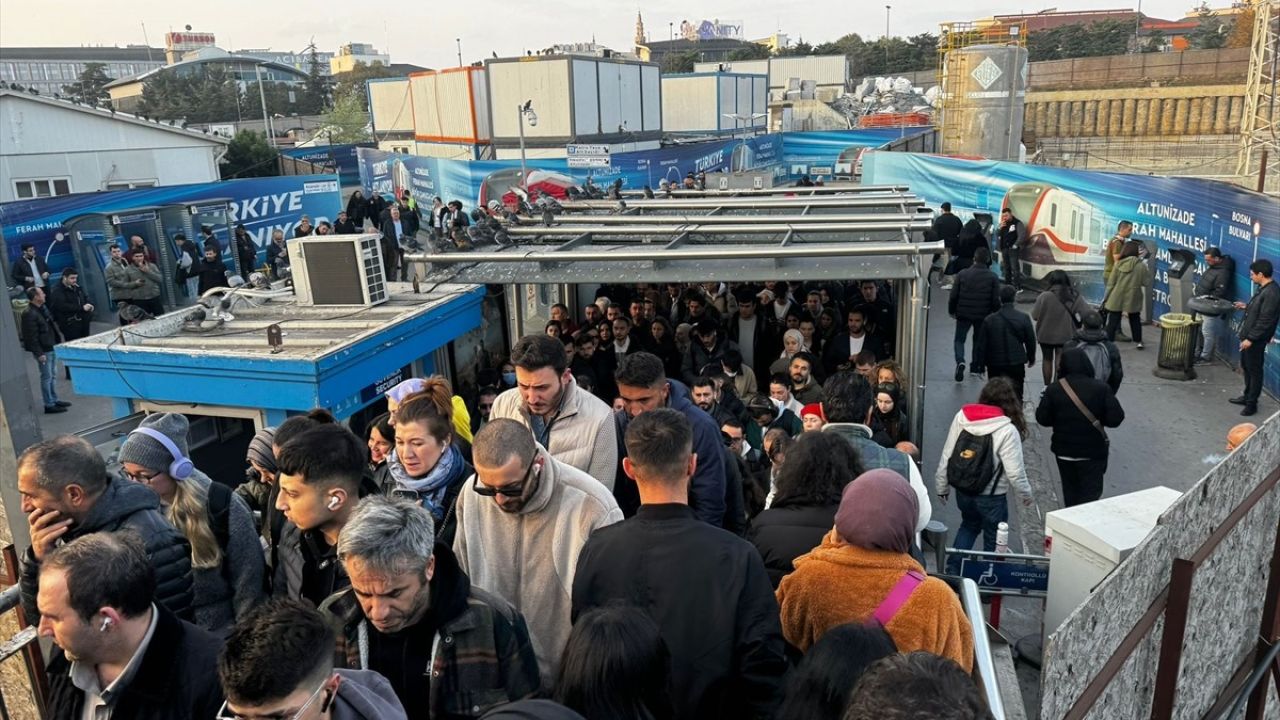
[[278, 665], [520, 531]]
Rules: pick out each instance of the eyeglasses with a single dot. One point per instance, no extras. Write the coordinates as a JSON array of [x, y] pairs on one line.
[[329, 688], [138, 477], [516, 490]]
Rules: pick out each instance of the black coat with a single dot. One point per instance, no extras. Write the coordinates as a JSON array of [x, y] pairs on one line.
[[22, 270], [836, 353], [357, 209], [764, 345], [39, 333], [783, 533], [124, 505], [349, 227], [948, 227], [1073, 435], [708, 592], [975, 295], [1261, 315], [67, 305], [177, 677], [246, 253], [1218, 281], [210, 274], [1008, 338]]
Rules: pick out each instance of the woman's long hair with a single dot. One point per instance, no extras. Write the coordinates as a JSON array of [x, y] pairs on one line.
[[189, 513], [999, 392], [616, 667], [820, 686], [817, 468]]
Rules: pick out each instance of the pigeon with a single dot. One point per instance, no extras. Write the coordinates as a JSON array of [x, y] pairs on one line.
[[648, 192], [547, 217], [620, 208]]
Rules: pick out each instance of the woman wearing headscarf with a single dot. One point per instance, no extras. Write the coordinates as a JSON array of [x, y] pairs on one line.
[[863, 572], [792, 343], [886, 418]]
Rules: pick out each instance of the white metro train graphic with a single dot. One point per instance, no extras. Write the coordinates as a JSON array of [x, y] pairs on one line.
[[1064, 231]]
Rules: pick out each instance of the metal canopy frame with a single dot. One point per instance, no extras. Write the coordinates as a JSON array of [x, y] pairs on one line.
[[870, 235], [828, 189]]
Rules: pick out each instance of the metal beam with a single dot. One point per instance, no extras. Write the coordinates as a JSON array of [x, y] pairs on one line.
[[883, 200], [828, 189], [893, 224], [719, 252], [719, 219]]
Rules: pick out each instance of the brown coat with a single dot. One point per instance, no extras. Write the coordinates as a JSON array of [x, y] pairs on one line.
[[838, 583]]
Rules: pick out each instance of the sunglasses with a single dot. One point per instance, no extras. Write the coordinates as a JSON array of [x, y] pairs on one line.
[[515, 491]]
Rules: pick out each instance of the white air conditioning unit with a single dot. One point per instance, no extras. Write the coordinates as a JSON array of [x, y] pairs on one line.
[[338, 270]]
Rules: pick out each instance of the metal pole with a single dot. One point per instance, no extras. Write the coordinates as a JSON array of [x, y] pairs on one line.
[[919, 353], [262, 97], [1262, 171], [524, 174], [887, 8], [459, 42], [764, 252]]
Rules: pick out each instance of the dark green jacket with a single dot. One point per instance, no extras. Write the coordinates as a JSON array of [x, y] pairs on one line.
[[1128, 286]]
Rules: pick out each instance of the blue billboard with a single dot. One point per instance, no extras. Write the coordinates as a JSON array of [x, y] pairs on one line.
[[1072, 214], [828, 153], [261, 204], [340, 159]]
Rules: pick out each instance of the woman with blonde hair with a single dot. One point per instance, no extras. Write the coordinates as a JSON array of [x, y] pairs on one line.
[[226, 557]]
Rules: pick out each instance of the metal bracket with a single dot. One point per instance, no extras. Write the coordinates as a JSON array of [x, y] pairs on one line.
[[275, 338]]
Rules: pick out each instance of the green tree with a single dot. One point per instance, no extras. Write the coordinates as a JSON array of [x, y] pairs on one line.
[[1211, 33], [750, 52], [679, 62], [355, 79], [211, 96], [799, 49], [316, 97], [249, 155], [348, 121], [1153, 44], [1241, 34], [282, 99], [89, 88]]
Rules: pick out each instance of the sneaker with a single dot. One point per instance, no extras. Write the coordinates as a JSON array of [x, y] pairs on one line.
[[1203, 361], [945, 286], [1141, 346], [960, 372], [62, 403], [52, 409], [1238, 401]]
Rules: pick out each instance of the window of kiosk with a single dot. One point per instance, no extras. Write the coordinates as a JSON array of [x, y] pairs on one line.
[[211, 221]]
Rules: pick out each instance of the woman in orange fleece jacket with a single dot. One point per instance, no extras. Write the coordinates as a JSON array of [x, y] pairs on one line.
[[858, 564]]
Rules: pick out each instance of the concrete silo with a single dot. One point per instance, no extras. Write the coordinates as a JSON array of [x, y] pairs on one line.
[[984, 94]]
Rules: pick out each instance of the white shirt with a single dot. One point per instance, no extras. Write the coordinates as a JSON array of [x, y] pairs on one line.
[[855, 344], [35, 273], [99, 702], [622, 348]]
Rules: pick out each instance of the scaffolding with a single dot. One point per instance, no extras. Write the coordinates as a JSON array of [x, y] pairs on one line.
[[1259, 141], [956, 36]]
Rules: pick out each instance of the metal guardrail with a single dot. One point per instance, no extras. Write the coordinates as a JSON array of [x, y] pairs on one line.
[[984, 666], [25, 641]]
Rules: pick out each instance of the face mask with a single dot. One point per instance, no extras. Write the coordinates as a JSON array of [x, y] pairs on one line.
[[509, 378]]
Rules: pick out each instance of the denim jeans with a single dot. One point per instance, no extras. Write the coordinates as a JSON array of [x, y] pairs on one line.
[[1213, 328], [979, 514], [47, 368], [962, 332]]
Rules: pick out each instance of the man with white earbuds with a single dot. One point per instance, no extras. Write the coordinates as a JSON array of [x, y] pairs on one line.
[[319, 476], [119, 654], [226, 557], [67, 493]]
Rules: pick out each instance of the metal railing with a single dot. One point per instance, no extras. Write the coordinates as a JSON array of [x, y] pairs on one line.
[[24, 642]]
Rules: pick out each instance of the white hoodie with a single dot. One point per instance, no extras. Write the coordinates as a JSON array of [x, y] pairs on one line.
[[1007, 443]]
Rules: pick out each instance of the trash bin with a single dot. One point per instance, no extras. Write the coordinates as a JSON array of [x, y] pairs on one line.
[[1179, 333], [19, 307]]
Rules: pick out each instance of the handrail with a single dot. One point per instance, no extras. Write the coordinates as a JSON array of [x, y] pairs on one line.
[[25, 641], [10, 597], [1257, 676], [984, 664]]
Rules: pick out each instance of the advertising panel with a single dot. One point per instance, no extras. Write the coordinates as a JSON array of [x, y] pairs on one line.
[[1072, 214], [340, 159], [835, 153]]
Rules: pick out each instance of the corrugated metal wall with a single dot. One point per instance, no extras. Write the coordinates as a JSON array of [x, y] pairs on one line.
[[545, 82], [822, 69], [391, 105], [576, 99], [442, 107]]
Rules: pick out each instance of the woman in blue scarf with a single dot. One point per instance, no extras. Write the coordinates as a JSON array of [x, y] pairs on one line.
[[426, 465]]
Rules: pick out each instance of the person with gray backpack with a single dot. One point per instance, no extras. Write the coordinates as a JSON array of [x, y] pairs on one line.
[[1103, 354], [981, 460]]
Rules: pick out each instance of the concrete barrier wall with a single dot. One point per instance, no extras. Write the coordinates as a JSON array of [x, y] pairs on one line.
[[1226, 603], [1132, 112]]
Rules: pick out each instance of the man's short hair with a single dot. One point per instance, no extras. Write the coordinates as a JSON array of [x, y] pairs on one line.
[[692, 294], [805, 356], [534, 352], [105, 570], [65, 460], [1262, 267], [642, 370], [275, 650], [28, 246], [1090, 319], [1124, 224], [326, 455], [624, 319], [913, 685], [660, 442], [982, 256], [780, 379], [733, 422], [856, 310], [848, 396], [32, 293], [1008, 294], [702, 381], [866, 357], [138, 251], [946, 206], [70, 272], [1213, 252], [388, 535], [500, 440]]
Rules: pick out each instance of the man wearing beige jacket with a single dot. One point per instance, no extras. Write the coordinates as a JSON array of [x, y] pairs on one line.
[[521, 526], [574, 426]]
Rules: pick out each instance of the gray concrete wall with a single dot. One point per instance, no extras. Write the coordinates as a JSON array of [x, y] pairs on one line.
[[1226, 605]]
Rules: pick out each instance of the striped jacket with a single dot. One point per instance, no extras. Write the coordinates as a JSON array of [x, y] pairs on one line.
[[481, 656]]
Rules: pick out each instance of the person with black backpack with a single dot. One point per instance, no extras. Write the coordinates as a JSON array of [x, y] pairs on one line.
[[1079, 408], [226, 556], [981, 459]]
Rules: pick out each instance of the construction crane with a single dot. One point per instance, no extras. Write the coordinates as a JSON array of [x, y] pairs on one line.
[[1260, 126]]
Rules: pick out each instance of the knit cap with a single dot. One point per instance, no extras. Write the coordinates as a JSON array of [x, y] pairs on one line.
[[260, 451], [146, 451], [813, 409]]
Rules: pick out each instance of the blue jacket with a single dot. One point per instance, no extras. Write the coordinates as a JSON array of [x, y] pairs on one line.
[[707, 487]]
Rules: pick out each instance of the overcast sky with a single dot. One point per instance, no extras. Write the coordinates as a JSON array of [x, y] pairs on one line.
[[423, 33]]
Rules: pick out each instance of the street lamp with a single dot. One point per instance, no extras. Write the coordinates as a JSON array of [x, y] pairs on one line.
[[459, 43], [887, 8], [526, 115]]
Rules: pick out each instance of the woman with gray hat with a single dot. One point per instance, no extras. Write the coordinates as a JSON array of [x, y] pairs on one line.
[[226, 556]]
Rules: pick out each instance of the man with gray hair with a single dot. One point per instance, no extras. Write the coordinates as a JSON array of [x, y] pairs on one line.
[[520, 531], [448, 648]]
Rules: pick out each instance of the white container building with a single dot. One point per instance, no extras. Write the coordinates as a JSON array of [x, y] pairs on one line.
[[714, 103]]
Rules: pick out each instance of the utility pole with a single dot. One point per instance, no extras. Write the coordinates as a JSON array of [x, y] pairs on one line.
[[262, 97], [887, 8], [459, 42]]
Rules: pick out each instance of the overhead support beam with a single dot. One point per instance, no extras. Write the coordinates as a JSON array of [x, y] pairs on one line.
[[705, 252], [816, 190]]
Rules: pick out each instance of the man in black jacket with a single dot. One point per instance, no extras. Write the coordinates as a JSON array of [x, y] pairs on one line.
[[946, 226], [1102, 353], [1261, 316], [66, 494], [70, 306], [975, 295], [117, 649], [706, 589], [1011, 235], [757, 337], [1080, 447], [39, 336], [1217, 281], [1007, 342], [30, 270], [858, 338]]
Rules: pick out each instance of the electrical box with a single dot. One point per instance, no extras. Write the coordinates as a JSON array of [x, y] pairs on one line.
[[1087, 542], [752, 180], [338, 270]]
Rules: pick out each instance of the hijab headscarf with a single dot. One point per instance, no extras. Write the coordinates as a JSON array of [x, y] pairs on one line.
[[878, 511], [799, 338]]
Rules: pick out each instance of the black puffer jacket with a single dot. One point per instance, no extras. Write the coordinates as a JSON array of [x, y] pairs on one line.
[[1219, 280], [975, 295], [1261, 315], [784, 533], [1008, 338], [128, 506], [1073, 435], [39, 334]]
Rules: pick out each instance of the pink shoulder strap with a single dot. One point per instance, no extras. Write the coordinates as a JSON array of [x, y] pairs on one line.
[[897, 597]]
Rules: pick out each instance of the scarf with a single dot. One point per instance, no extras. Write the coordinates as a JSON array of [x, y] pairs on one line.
[[430, 487], [878, 511], [799, 337]]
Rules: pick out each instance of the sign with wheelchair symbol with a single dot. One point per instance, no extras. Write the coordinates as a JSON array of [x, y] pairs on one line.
[[1019, 575]]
